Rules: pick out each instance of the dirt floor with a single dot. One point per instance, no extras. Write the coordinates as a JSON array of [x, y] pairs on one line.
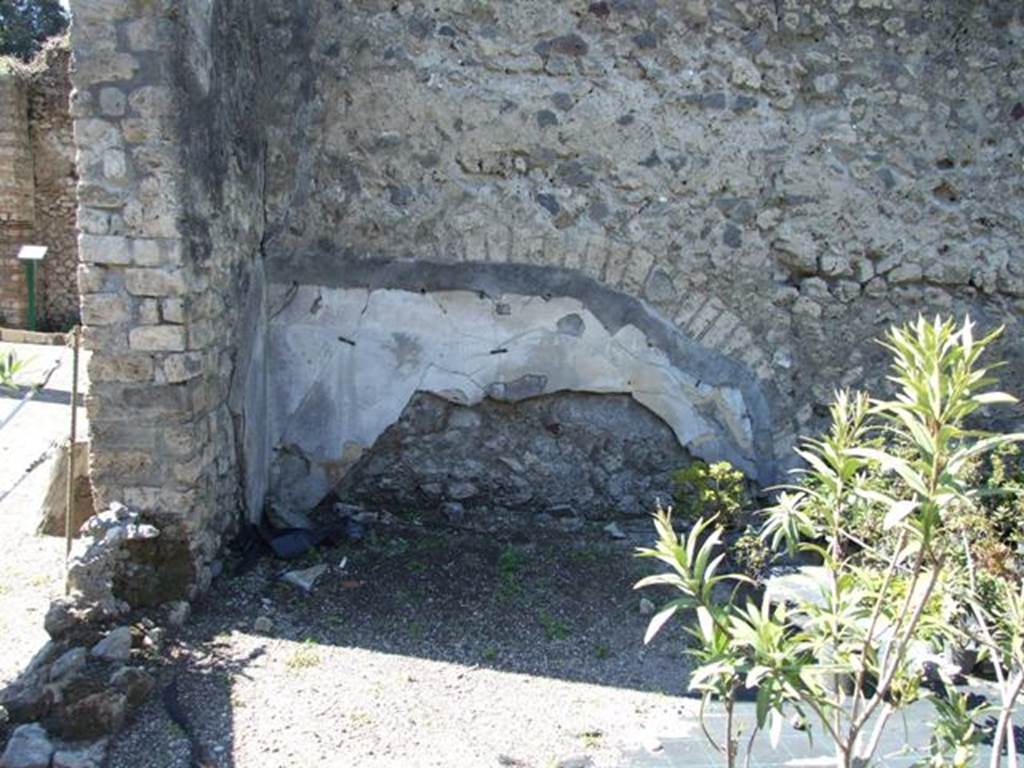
[[31, 567], [427, 649]]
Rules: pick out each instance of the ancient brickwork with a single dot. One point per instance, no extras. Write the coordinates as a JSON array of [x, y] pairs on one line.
[[53, 160], [17, 212], [39, 164], [297, 214], [154, 276]]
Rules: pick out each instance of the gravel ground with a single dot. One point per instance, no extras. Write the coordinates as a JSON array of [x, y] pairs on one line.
[[428, 649]]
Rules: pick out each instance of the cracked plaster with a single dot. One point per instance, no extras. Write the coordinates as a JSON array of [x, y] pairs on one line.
[[344, 363]]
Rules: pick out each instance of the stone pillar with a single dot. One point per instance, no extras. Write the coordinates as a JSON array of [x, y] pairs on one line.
[[17, 210], [53, 157], [149, 407]]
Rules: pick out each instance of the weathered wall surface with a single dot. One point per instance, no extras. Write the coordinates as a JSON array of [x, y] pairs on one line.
[[734, 199], [37, 172], [344, 364], [166, 220], [224, 219], [555, 460], [53, 161], [780, 181], [17, 205]]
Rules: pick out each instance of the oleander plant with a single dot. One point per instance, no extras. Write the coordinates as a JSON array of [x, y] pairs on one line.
[[915, 518]]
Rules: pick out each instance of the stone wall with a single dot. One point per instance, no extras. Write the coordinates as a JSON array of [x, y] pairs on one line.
[[346, 362], [297, 216], [775, 183], [53, 160], [39, 164], [554, 460], [17, 210], [166, 221]]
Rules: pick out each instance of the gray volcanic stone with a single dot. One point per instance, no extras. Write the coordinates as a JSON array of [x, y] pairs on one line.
[[67, 664], [597, 456], [116, 646], [305, 579], [29, 747], [86, 757], [135, 683]]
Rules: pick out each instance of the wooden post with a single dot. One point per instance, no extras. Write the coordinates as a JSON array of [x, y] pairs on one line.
[[68, 533]]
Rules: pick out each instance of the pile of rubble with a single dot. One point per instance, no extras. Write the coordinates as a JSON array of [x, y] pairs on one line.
[[97, 668]]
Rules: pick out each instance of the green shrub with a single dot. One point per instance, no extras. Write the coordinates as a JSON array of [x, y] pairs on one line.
[[710, 490], [887, 502]]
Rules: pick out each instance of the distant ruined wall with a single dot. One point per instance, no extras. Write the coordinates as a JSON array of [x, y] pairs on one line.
[[53, 156], [37, 172], [17, 210]]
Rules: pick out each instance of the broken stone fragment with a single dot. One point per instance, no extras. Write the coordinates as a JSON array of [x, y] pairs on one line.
[[86, 757], [116, 646], [29, 747], [69, 663], [140, 532], [614, 531], [305, 579], [27, 703], [263, 625], [646, 607], [103, 557], [100, 714], [135, 683], [43, 657], [283, 518], [59, 618], [178, 613]]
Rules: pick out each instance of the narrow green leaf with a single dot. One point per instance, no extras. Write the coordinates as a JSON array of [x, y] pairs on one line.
[[659, 619], [898, 513]]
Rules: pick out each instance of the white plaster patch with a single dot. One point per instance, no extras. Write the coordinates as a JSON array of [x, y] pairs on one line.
[[345, 362]]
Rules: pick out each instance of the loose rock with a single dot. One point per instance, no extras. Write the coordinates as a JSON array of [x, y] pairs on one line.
[[614, 531], [178, 613], [288, 518], [133, 682], [67, 664], [305, 579], [116, 646], [87, 757], [100, 714], [29, 747]]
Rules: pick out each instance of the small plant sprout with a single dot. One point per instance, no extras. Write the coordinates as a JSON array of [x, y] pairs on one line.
[[710, 490], [10, 367]]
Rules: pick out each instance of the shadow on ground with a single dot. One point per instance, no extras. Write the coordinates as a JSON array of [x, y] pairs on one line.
[[437, 648], [407, 602]]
